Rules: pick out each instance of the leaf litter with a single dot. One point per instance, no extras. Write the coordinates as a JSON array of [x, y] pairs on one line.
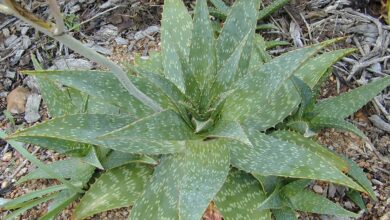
[[301, 22]]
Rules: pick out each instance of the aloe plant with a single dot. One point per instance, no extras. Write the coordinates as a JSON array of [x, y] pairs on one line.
[[224, 134]]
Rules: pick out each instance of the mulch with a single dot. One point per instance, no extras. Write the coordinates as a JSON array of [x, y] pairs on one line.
[[124, 28]]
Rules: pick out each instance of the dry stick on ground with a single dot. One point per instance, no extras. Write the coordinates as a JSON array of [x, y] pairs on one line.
[[94, 17], [358, 66], [17, 170], [52, 30], [379, 40]]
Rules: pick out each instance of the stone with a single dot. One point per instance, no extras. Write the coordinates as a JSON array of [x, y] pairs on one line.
[[17, 57], [75, 9], [7, 83], [318, 189], [10, 40], [26, 42], [101, 50], [3, 94], [10, 74], [121, 41], [22, 171], [16, 100], [71, 63], [32, 108], [6, 32], [106, 33], [148, 31], [331, 190], [32, 83], [4, 184], [7, 157], [24, 30]]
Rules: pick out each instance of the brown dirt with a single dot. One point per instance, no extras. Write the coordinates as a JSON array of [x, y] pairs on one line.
[[148, 13]]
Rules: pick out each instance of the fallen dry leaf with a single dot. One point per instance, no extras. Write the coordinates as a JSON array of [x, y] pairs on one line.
[[16, 100]]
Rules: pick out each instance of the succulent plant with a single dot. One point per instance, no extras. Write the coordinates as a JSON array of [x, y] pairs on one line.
[[231, 128]]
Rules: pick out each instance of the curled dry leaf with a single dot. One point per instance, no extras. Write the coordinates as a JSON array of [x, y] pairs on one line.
[[16, 100]]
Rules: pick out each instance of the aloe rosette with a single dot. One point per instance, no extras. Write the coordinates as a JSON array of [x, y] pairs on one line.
[[234, 129]]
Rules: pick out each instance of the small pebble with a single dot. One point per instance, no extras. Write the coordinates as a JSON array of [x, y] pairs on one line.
[[7, 83], [22, 171], [10, 74], [121, 41], [6, 32], [24, 30], [318, 189], [331, 190], [4, 184], [377, 182], [7, 157], [348, 205]]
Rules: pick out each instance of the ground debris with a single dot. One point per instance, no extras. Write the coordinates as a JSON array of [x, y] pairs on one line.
[[32, 108], [16, 100]]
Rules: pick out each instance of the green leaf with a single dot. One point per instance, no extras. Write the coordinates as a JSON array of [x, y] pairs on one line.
[[273, 201], [217, 105], [59, 203], [220, 6], [240, 21], [260, 84], [152, 64], [357, 174], [184, 184], [161, 133], [202, 56], [294, 196], [219, 15], [357, 199], [107, 88], [176, 26], [272, 44], [271, 8], [115, 188], [230, 130], [202, 126], [117, 159], [167, 87], [278, 107], [240, 196], [272, 156], [72, 131], [268, 183], [85, 103], [301, 127], [56, 99], [277, 199], [22, 200], [308, 201], [72, 168], [349, 102], [337, 123], [306, 96], [317, 149], [94, 156], [24, 152], [312, 71], [228, 72], [284, 214], [28, 206]]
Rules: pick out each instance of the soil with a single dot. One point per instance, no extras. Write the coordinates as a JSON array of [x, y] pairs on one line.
[[133, 16]]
